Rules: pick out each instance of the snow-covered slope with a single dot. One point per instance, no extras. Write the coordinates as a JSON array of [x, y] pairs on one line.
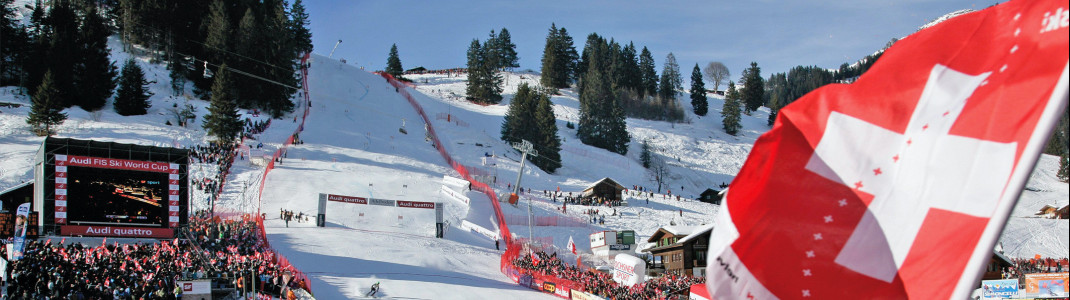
[[354, 145]]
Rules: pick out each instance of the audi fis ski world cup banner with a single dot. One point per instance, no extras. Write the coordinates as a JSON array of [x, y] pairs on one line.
[[102, 195], [898, 185]]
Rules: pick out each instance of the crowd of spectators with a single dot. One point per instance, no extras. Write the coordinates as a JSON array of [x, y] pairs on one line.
[[230, 253], [220, 154], [1024, 266], [253, 128], [601, 284]]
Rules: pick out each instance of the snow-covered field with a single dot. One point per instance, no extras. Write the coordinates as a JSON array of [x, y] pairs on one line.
[[354, 145]]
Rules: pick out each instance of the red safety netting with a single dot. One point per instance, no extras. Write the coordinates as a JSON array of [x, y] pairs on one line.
[[512, 246]]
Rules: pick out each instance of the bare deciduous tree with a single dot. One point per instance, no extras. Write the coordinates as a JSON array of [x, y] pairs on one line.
[[716, 72]]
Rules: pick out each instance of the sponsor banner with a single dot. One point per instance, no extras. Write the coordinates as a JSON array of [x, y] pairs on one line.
[[115, 163], [628, 270], [1047, 284], [999, 288], [416, 204], [22, 218], [116, 231], [381, 202], [455, 195], [549, 287], [454, 181], [199, 287], [562, 292], [347, 199], [619, 247]]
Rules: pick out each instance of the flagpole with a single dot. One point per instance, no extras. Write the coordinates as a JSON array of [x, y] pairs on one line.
[[1049, 118]]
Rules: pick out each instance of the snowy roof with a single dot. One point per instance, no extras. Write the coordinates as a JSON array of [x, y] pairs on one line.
[[699, 231], [680, 230], [606, 180], [16, 187]]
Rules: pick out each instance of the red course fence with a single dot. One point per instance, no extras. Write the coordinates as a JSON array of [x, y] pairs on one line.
[[557, 286]]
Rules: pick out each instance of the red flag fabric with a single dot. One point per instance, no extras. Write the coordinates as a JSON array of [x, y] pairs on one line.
[[898, 185], [571, 245]]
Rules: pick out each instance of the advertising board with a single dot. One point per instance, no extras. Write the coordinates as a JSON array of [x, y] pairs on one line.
[[1047, 285]]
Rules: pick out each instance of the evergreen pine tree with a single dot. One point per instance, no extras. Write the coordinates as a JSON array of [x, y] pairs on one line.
[[63, 50], [298, 26], [753, 88], [218, 27], [46, 111], [133, 95], [393, 63], [549, 158], [1064, 168], [492, 51], [670, 80], [247, 43], [484, 83], [507, 50], [178, 75], [567, 50], [223, 120], [648, 75], [644, 155], [96, 73], [731, 110], [13, 43], [774, 109], [698, 92], [550, 58], [520, 116], [282, 69]]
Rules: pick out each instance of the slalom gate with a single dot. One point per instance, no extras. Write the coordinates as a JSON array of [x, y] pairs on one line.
[[548, 284], [376, 203]]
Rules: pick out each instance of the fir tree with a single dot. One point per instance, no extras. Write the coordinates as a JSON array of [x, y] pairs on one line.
[[1064, 168], [46, 111], [520, 116], [393, 63], [670, 80], [298, 26], [731, 110], [508, 58], [753, 88], [492, 51], [223, 120], [558, 58], [277, 99], [96, 74], [178, 75], [698, 92], [63, 50], [602, 122], [774, 109], [644, 155], [648, 75], [13, 43], [549, 158], [484, 83], [218, 26], [133, 95]]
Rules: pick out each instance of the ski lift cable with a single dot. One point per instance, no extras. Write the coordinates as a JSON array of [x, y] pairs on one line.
[[195, 59], [161, 32]]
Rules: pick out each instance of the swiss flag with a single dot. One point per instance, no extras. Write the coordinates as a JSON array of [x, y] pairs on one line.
[[571, 245], [898, 185]]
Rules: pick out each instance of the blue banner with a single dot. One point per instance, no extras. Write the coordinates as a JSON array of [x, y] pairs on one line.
[[22, 218], [1000, 288]]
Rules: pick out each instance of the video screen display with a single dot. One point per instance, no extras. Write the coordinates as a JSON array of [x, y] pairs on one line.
[[116, 196]]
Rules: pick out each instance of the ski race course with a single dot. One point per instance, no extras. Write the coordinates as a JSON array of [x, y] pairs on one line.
[[362, 138]]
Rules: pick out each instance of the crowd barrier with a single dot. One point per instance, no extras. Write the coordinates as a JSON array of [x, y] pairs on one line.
[[561, 287], [558, 221]]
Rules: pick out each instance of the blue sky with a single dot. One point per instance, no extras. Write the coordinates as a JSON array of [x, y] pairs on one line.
[[776, 34]]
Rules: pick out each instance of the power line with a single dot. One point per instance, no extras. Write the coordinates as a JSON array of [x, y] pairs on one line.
[[162, 32]]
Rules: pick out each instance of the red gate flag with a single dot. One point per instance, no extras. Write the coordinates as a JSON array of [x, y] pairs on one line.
[[898, 185]]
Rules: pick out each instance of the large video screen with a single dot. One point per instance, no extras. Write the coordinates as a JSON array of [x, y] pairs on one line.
[[117, 197]]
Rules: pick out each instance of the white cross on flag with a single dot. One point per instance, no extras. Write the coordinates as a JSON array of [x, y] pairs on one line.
[[898, 185]]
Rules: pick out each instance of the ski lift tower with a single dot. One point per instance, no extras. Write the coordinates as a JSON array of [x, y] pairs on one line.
[[526, 148]]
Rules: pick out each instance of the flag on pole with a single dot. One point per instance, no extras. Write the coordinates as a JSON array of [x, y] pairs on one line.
[[898, 185], [571, 245]]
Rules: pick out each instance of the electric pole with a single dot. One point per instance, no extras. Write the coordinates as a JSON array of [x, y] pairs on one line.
[[525, 147]]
